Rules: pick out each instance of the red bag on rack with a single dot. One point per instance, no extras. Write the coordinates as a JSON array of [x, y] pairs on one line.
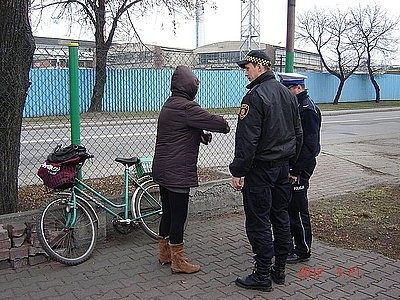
[[60, 175]]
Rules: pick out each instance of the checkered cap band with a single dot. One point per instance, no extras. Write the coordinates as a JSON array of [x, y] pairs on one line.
[[258, 60]]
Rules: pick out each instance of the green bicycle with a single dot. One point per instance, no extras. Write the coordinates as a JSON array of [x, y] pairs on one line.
[[68, 224]]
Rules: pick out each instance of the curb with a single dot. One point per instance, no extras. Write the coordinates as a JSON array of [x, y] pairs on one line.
[[352, 111]]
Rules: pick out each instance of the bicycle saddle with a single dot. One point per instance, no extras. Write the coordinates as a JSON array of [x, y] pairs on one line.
[[127, 161]]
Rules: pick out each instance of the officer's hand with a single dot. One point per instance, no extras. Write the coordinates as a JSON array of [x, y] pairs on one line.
[[237, 183], [293, 179]]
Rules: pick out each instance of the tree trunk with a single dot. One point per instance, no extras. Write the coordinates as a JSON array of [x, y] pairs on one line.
[[339, 91], [375, 84], [96, 104], [16, 54]]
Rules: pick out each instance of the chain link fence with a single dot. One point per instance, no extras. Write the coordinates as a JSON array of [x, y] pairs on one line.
[[137, 82]]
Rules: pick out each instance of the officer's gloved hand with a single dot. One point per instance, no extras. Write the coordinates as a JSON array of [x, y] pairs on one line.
[[206, 137]]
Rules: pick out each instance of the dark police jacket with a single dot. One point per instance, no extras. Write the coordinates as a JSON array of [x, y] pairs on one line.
[[269, 128], [311, 123], [179, 129]]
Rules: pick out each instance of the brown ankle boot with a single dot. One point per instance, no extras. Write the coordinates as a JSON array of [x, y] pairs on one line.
[[165, 252], [179, 262]]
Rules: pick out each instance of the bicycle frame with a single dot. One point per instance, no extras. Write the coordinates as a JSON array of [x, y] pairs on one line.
[[78, 192], [68, 224]]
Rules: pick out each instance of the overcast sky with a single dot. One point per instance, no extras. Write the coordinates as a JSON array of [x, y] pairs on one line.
[[221, 24]]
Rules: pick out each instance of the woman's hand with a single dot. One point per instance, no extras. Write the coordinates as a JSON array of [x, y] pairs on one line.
[[205, 137]]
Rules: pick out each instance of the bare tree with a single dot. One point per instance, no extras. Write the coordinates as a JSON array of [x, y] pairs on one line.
[[332, 34], [16, 54], [375, 32], [104, 16]]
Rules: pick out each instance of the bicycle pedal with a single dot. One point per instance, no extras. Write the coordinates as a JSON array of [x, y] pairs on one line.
[[125, 221]]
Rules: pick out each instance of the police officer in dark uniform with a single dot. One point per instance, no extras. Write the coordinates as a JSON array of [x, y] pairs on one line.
[[301, 171], [268, 137]]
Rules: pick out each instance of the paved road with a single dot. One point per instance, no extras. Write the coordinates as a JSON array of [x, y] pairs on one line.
[[127, 138], [126, 267]]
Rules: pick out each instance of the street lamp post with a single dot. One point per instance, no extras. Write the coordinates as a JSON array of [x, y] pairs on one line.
[[290, 36]]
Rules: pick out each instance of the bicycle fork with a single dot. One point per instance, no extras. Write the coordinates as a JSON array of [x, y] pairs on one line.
[[70, 209]]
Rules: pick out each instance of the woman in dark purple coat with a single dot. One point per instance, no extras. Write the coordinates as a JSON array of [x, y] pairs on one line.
[[179, 133]]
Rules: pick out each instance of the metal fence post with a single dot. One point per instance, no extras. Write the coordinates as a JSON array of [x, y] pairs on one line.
[[74, 93], [74, 96]]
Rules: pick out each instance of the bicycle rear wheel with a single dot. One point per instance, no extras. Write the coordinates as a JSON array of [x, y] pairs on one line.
[[148, 208], [69, 245]]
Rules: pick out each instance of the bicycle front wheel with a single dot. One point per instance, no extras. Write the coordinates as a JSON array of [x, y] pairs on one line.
[[148, 208], [64, 240]]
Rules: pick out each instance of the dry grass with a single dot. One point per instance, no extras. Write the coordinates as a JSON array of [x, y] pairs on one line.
[[364, 220]]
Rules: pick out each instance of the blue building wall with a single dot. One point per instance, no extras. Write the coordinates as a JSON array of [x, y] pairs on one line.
[[146, 89]]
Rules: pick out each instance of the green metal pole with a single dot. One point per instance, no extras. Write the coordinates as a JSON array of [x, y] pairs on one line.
[[74, 96], [290, 36], [74, 93], [289, 62]]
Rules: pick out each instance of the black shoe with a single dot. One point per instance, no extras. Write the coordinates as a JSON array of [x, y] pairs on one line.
[[278, 275], [255, 282], [294, 259]]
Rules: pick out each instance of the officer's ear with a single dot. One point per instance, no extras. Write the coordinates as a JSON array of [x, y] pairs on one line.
[[262, 68]]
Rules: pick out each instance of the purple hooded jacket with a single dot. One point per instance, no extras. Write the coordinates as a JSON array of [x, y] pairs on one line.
[[179, 129]]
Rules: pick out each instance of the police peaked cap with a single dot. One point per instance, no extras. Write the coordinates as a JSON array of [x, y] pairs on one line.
[[292, 78], [255, 56]]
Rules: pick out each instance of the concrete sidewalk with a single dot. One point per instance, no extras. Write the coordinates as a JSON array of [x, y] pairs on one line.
[[127, 266]]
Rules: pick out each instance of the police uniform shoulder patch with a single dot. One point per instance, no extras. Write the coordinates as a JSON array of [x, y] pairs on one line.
[[244, 110]]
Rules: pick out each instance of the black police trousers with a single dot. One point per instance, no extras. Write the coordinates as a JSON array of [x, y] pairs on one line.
[[266, 196], [300, 224]]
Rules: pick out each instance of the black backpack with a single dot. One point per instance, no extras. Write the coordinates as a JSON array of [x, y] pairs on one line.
[[61, 154]]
